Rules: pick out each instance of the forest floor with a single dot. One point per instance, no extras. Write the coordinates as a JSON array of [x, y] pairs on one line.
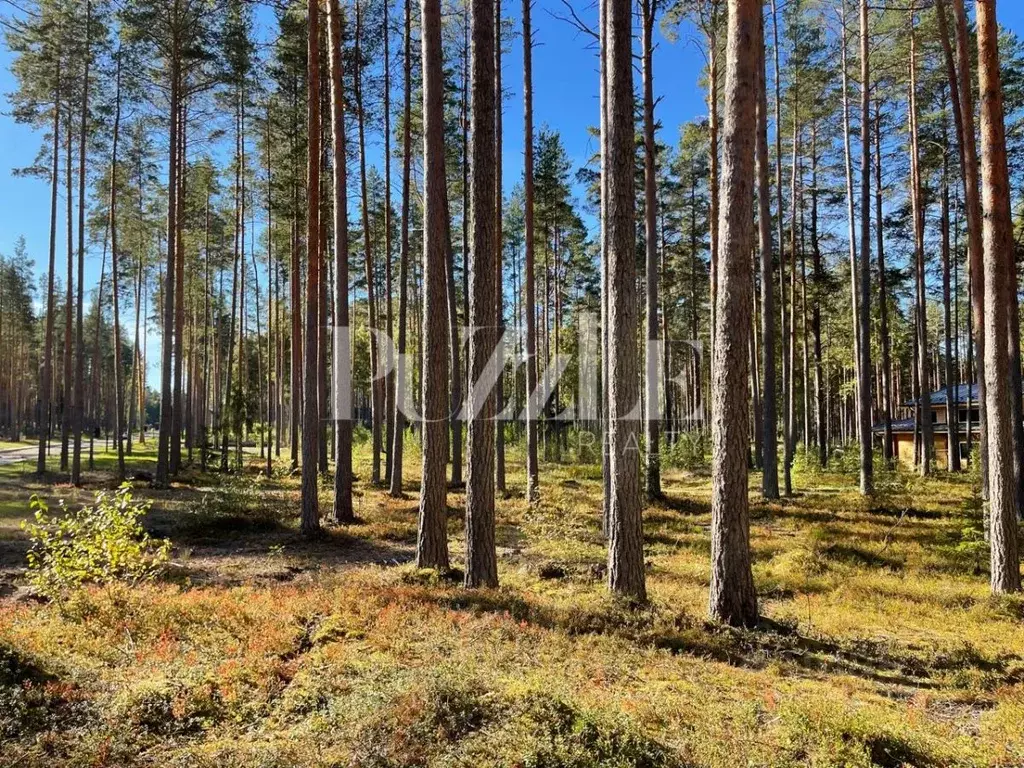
[[880, 643]]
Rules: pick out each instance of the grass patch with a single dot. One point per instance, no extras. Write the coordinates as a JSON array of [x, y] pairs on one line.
[[880, 647]]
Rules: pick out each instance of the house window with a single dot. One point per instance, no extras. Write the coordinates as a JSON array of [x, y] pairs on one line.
[[973, 415], [965, 455], [935, 417]]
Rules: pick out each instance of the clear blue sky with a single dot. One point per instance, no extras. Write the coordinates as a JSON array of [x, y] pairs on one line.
[[565, 85]]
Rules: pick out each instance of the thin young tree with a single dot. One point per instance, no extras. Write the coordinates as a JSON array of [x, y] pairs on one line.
[[972, 204], [952, 426], [999, 250], [432, 539], [532, 467], [78, 387], [46, 381], [499, 389], [920, 314], [114, 271], [851, 214], [787, 374], [69, 302], [649, 10], [625, 527], [389, 382], [342, 511], [885, 342], [769, 414], [376, 383], [864, 310], [398, 441], [732, 598]]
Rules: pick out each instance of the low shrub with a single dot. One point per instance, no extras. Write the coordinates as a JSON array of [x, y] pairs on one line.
[[96, 544], [688, 451]]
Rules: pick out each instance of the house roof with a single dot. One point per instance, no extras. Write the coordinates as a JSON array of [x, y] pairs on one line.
[[962, 393]]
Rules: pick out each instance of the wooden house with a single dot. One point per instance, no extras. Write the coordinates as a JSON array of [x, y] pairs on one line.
[[965, 400]]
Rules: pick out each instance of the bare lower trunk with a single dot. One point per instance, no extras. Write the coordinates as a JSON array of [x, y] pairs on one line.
[[625, 530], [310, 520], [864, 314], [163, 474], [917, 205], [398, 443], [787, 476], [532, 470], [999, 249], [376, 386], [732, 596], [46, 381], [972, 200], [114, 270], [481, 556], [78, 388], [769, 415], [952, 427], [652, 421], [499, 390], [432, 544], [883, 299]]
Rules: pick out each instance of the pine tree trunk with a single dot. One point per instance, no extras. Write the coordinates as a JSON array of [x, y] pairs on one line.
[[864, 316], [69, 308], [790, 429], [432, 542], [376, 386], [310, 520], [389, 383], [532, 468], [606, 471], [455, 349], [78, 387], [787, 374], [972, 200], [46, 383], [883, 299], [499, 390], [295, 393], [999, 250], [953, 434], [818, 291], [769, 414], [342, 373], [652, 422], [162, 477], [732, 598], [398, 444], [177, 412], [114, 269], [713, 174], [625, 529], [850, 205], [918, 213], [481, 556], [272, 373]]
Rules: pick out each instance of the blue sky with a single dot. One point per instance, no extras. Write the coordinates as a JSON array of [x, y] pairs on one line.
[[565, 89]]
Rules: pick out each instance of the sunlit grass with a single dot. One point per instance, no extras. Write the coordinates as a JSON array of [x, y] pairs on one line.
[[881, 644]]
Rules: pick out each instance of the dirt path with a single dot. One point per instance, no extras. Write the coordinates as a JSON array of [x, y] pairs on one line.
[[14, 455]]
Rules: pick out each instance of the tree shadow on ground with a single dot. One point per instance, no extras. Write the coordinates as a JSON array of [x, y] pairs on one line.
[[892, 666]]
